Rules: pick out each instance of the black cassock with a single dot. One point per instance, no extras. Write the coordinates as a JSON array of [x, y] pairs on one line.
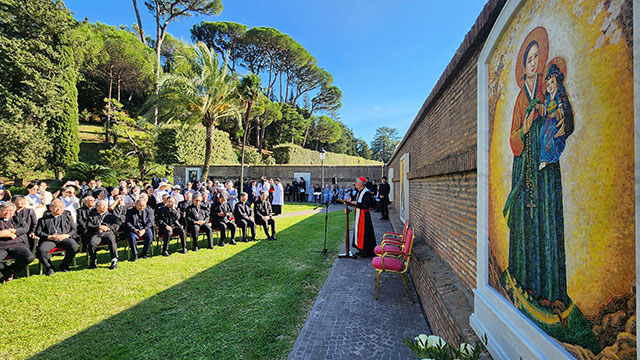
[[364, 238]]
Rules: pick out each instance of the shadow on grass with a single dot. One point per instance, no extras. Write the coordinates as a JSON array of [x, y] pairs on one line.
[[250, 306]]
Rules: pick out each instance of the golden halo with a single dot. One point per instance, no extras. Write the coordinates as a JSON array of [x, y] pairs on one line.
[[538, 34]]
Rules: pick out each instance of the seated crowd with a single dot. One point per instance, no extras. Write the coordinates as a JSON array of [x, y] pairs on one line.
[[90, 215]]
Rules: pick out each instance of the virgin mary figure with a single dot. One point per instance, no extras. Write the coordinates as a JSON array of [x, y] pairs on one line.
[[534, 208]]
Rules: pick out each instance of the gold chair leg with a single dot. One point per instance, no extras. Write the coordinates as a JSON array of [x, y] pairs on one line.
[[406, 283], [377, 282]]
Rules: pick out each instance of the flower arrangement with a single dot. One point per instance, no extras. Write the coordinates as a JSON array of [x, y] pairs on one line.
[[431, 347]]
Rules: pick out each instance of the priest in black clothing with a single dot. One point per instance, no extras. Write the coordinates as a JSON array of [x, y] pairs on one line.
[[56, 230], [139, 225], [12, 243], [82, 214], [383, 194], [102, 228], [168, 218], [364, 238], [221, 214], [26, 216], [198, 220], [184, 204], [264, 215], [244, 217]]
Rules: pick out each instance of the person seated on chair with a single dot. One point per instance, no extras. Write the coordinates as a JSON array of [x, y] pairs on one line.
[[244, 217], [102, 227], [26, 216], [12, 243], [221, 219], [56, 230], [264, 215], [82, 214], [139, 225], [184, 204], [169, 224], [197, 219], [119, 209]]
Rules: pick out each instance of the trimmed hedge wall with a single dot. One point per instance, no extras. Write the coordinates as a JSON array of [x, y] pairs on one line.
[[186, 145], [296, 155]]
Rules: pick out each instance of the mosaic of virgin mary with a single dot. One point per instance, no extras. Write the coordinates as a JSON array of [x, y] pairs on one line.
[[536, 278]]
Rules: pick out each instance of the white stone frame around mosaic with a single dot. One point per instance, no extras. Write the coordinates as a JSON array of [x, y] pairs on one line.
[[510, 334]]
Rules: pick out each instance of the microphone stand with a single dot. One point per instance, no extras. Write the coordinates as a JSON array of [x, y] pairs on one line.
[[324, 250]]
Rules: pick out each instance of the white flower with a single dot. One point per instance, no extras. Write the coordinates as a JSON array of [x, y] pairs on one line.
[[435, 341], [422, 340], [465, 349]]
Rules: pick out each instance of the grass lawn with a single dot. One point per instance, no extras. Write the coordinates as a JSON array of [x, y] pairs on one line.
[[291, 207], [247, 301]]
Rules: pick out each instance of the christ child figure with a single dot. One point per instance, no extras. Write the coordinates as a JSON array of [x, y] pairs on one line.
[[557, 107]]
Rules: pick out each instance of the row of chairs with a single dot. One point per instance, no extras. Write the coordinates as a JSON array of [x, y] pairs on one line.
[[120, 237], [393, 256]]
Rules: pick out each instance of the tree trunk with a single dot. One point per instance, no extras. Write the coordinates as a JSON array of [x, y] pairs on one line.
[[135, 7], [306, 133], [244, 144], [108, 125], [159, 39], [280, 75], [262, 131], [257, 135], [208, 150]]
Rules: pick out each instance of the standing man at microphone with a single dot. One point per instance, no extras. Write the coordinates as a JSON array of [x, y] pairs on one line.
[[364, 238]]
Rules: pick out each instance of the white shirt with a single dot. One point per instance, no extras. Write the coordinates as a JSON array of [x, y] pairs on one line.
[[71, 204], [278, 195]]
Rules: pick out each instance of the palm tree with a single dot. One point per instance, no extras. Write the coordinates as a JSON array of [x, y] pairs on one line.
[[250, 91], [198, 91]]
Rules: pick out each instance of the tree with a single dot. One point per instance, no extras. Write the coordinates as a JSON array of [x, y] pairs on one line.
[[15, 162], [325, 130], [250, 91], [198, 92], [270, 114], [165, 11], [346, 144], [224, 37], [38, 74], [362, 149], [384, 143], [289, 128], [137, 141]]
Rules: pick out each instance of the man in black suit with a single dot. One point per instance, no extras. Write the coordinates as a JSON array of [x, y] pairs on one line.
[[26, 216], [198, 219], [12, 243], [244, 217], [383, 194], [139, 225], [264, 215], [184, 204], [169, 223], [82, 214], [56, 230], [221, 219], [102, 226]]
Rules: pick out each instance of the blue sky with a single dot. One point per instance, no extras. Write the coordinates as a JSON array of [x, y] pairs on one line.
[[385, 56]]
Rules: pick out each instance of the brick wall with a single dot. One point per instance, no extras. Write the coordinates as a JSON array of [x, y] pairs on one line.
[[442, 143]]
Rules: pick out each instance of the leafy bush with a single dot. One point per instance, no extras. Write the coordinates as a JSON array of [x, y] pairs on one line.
[[297, 155], [186, 145], [251, 156], [85, 172], [18, 190], [269, 160]]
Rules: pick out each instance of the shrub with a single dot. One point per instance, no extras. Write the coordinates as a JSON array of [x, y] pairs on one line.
[[297, 155], [18, 190], [85, 172], [185, 145], [269, 160], [251, 156]]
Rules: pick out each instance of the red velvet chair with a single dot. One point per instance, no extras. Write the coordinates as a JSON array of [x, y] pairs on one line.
[[57, 251], [392, 243], [398, 264], [10, 258]]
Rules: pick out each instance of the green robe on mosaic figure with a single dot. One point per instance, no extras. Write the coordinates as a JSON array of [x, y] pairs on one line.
[[534, 207]]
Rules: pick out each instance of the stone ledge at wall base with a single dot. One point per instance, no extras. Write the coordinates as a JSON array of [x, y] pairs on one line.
[[445, 302]]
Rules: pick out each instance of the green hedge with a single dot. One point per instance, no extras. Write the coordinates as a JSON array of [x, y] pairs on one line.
[[297, 155], [186, 145]]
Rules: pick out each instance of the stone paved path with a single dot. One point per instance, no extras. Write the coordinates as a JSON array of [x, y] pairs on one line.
[[346, 321]]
